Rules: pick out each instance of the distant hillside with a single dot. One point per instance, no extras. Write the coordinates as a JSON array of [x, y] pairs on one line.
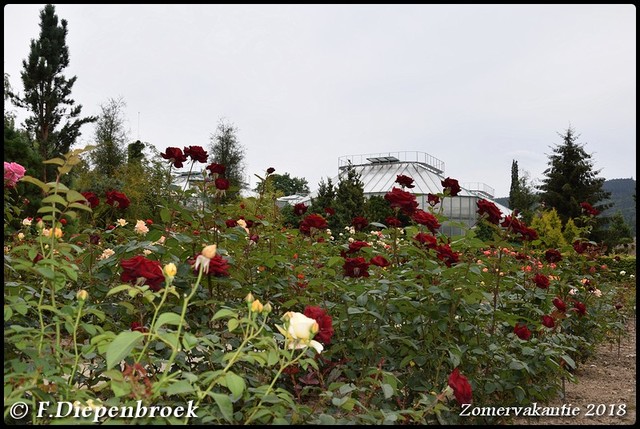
[[622, 192]]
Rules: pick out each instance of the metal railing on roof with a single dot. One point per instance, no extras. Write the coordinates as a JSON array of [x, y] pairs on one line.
[[429, 161], [480, 188]]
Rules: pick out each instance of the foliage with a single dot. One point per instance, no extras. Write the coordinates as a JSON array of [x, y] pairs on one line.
[[521, 194], [208, 305], [47, 91], [349, 201], [110, 137], [547, 224], [622, 198], [288, 185], [225, 149], [618, 233]]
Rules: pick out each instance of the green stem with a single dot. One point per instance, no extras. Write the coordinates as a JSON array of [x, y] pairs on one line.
[[75, 343]]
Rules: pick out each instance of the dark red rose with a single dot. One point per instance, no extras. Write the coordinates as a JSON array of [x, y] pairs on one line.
[[359, 223], [38, 258], [446, 255], [299, 209], [222, 183], [329, 211], [451, 185], [461, 387], [270, 170], [355, 246], [522, 331], [139, 266], [403, 200], [491, 210], [580, 246], [216, 169], [94, 239], [548, 321], [552, 256], [379, 261], [137, 326], [618, 306], [426, 239], [175, 155], [589, 209], [356, 267], [559, 304], [314, 221], [433, 199], [196, 153], [231, 223], [92, 199], [513, 223], [580, 308], [117, 199], [541, 281], [325, 323], [404, 181], [427, 219], [392, 221], [219, 267]]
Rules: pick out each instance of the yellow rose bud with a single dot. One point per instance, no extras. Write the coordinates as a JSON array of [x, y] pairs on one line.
[[267, 308], [315, 328], [82, 295], [170, 269], [256, 306], [57, 232], [249, 298], [209, 251]]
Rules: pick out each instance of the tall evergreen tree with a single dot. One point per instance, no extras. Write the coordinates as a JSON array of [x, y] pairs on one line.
[[110, 138], [225, 149], [515, 184], [47, 91], [571, 180], [350, 200]]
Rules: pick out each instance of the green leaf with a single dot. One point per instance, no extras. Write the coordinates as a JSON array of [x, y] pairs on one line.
[[122, 346], [45, 188], [235, 384], [182, 386], [334, 261], [226, 407], [232, 324], [167, 319], [165, 215], [73, 196], [387, 390], [117, 289], [225, 312], [80, 206]]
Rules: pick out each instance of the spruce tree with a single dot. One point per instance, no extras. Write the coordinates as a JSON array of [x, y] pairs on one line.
[[515, 184], [55, 122], [571, 180], [225, 149], [350, 200], [110, 138]]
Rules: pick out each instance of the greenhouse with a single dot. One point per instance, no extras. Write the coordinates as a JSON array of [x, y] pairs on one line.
[[378, 173]]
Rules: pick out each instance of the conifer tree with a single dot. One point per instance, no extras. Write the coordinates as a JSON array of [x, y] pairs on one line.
[[225, 149], [350, 200]]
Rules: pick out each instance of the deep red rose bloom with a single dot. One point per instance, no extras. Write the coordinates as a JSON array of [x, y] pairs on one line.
[[513, 223], [433, 199], [356, 267], [461, 387], [38, 258], [552, 256], [196, 153], [379, 261], [219, 266], [215, 168], [231, 223], [270, 170], [92, 199], [94, 239], [452, 185], [446, 255], [404, 181], [491, 210], [312, 221], [325, 323], [589, 209], [222, 183], [580, 308], [359, 223], [393, 221], [541, 281], [175, 155], [559, 304], [427, 219], [329, 211], [137, 326], [355, 246], [117, 199], [581, 246], [427, 239], [548, 321], [522, 331], [139, 266], [403, 200], [299, 209]]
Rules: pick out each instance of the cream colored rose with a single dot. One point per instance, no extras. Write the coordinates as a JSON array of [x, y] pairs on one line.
[[122, 222], [299, 331], [170, 270], [209, 251], [141, 227]]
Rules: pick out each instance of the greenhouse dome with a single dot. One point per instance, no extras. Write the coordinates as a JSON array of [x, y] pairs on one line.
[[378, 173]]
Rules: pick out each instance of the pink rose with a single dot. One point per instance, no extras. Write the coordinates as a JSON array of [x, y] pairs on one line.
[[13, 172]]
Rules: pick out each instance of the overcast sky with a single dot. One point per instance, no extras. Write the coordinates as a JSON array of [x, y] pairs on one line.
[[476, 86]]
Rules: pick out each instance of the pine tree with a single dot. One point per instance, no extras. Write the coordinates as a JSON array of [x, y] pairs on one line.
[[325, 197], [225, 149], [47, 91], [350, 200], [515, 184], [571, 180], [110, 138]]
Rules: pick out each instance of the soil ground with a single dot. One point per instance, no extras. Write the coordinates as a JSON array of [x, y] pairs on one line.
[[605, 383]]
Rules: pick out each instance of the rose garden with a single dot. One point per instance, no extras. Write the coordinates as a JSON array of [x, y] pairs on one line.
[[219, 306]]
